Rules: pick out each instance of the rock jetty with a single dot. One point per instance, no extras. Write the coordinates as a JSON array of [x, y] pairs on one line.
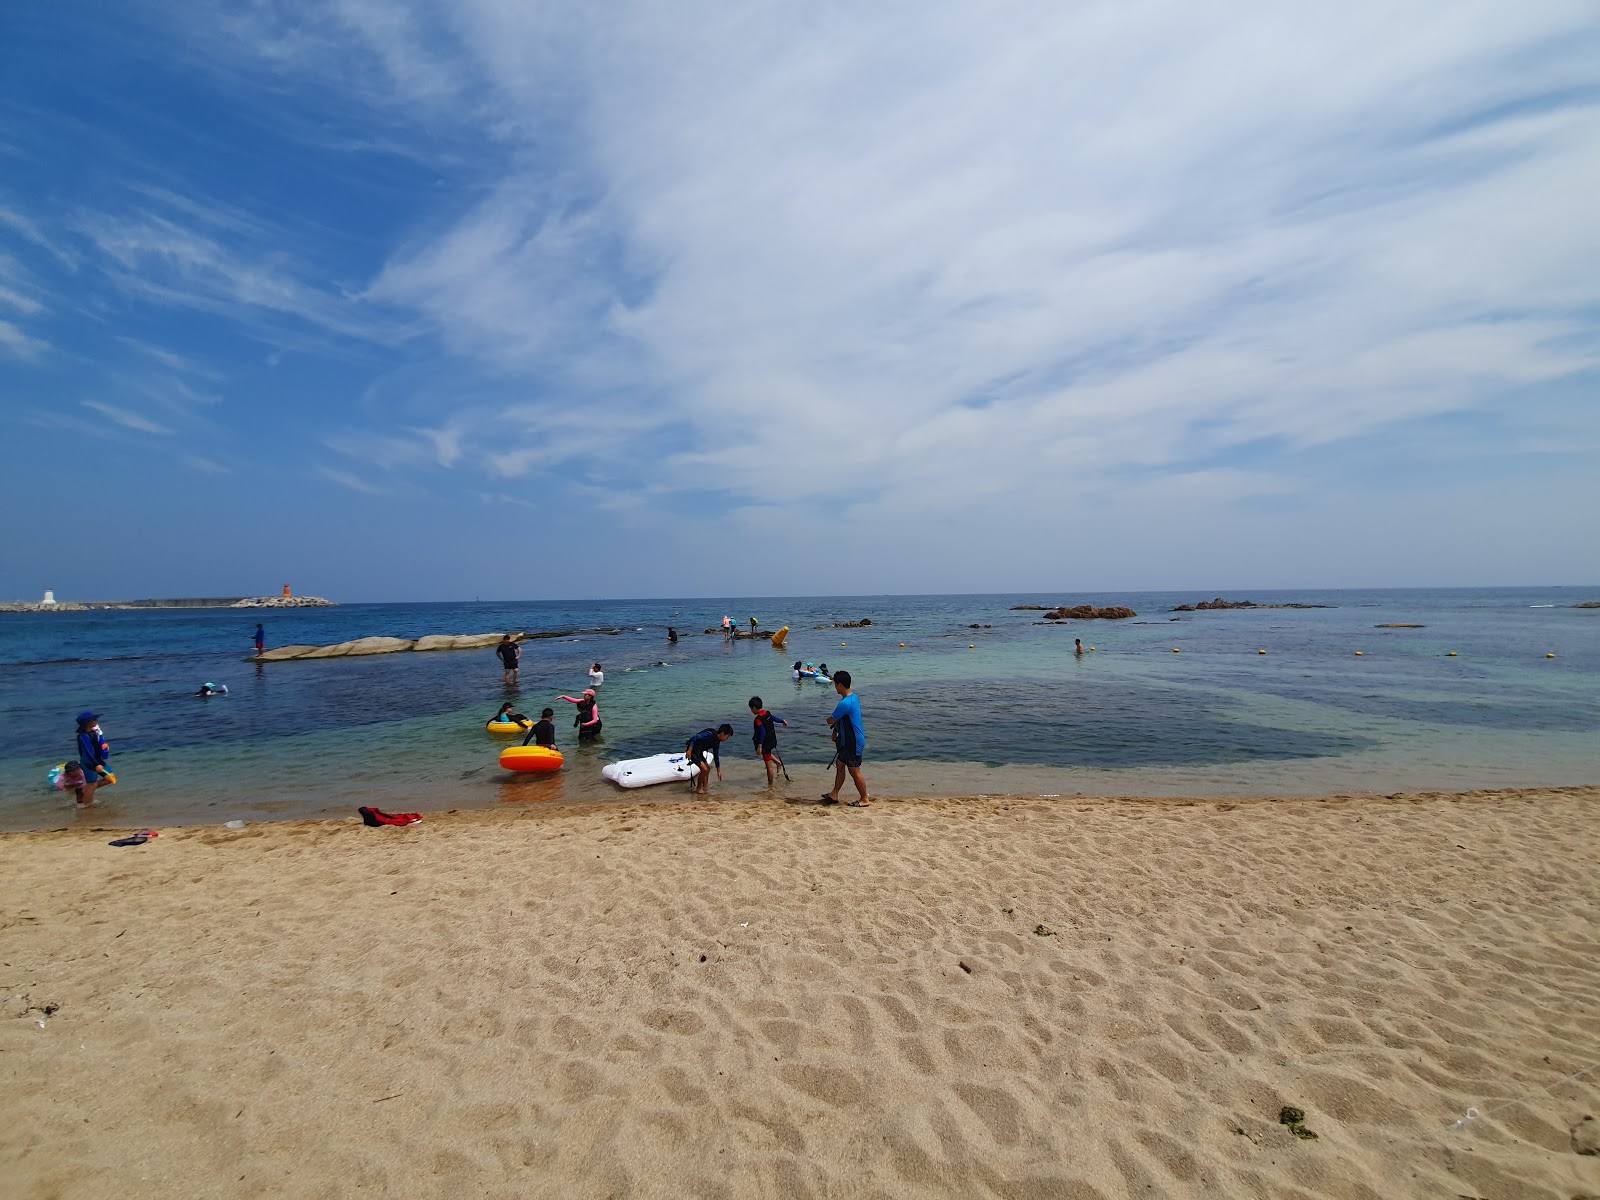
[[283, 602], [386, 645], [197, 602]]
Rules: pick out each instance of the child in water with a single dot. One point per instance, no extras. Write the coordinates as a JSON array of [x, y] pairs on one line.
[[766, 738], [544, 731], [505, 715]]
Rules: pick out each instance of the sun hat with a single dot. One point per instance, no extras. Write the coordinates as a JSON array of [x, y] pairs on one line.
[[87, 716]]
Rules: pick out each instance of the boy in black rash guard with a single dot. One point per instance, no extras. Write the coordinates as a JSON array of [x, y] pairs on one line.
[[543, 731], [766, 738], [707, 741]]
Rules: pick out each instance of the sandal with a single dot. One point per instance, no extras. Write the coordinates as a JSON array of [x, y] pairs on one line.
[[859, 804], [827, 799]]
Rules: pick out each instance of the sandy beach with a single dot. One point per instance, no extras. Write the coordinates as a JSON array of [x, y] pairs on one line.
[[991, 996]]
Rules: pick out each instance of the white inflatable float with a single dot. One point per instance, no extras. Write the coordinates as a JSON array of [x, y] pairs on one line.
[[643, 772]]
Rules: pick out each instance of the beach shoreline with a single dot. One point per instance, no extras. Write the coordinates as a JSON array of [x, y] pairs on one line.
[[985, 996]]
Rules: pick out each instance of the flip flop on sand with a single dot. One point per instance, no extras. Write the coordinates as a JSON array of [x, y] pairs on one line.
[[859, 804], [827, 799]]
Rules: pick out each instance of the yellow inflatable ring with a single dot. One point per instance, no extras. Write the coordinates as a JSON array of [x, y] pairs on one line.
[[506, 727], [531, 758]]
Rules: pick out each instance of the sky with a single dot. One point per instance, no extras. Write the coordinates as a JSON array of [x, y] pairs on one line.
[[496, 298]]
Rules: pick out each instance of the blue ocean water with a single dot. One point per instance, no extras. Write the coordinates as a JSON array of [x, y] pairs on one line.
[[980, 698]]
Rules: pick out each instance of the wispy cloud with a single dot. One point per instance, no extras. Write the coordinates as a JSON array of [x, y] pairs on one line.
[[353, 482], [182, 363], [18, 344], [125, 418], [1099, 245]]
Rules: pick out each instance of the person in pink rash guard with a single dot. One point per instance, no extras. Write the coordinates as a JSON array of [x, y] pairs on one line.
[[588, 718]]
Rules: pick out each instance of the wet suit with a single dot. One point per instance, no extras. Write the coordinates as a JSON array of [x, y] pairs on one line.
[[93, 754], [543, 732], [765, 735], [695, 748], [588, 718]]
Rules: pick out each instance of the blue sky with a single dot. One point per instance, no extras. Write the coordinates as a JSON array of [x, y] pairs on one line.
[[515, 300]]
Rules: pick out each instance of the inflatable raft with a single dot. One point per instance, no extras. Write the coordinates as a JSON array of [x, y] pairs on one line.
[[643, 772], [531, 759], [506, 727]]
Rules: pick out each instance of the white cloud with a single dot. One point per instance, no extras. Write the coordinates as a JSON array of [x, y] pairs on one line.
[[125, 418], [19, 344], [353, 482], [961, 261], [988, 242]]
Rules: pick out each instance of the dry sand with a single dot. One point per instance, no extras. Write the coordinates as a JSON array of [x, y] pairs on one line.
[[979, 997]]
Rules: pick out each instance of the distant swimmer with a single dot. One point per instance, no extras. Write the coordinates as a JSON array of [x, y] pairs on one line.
[[543, 732], [94, 755], [510, 657], [261, 640], [1077, 647], [588, 716], [765, 737], [707, 741], [672, 634], [212, 689]]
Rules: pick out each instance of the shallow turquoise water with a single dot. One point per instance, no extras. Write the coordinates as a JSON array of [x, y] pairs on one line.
[[1005, 707]]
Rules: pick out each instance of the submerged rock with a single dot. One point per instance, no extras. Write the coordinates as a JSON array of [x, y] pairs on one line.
[[1088, 612]]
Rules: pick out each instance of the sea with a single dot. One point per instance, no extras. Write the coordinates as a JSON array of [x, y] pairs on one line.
[[961, 696]]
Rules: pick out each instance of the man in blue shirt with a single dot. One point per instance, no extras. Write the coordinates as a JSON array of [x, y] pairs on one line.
[[851, 742]]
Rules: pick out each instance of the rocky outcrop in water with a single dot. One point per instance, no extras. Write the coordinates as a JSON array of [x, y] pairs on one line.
[[1088, 612], [1220, 603]]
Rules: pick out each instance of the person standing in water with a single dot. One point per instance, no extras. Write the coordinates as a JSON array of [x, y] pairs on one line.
[[1077, 647], [596, 678], [588, 717], [94, 756], [543, 732], [510, 657], [261, 640], [765, 737], [851, 741]]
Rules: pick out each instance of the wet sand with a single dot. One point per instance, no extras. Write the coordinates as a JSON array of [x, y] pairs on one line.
[[1008, 997]]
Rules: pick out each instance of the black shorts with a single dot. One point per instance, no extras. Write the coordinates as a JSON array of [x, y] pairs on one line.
[[849, 760]]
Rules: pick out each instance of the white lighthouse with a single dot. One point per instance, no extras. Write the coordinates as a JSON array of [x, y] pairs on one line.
[[49, 597]]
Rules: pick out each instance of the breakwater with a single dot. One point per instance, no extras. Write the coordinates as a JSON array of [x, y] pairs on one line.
[[182, 602]]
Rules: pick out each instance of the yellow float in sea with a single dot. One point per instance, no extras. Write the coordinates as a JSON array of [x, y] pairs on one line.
[[531, 759]]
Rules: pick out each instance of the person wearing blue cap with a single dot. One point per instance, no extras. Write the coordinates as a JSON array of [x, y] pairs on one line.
[[94, 755]]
